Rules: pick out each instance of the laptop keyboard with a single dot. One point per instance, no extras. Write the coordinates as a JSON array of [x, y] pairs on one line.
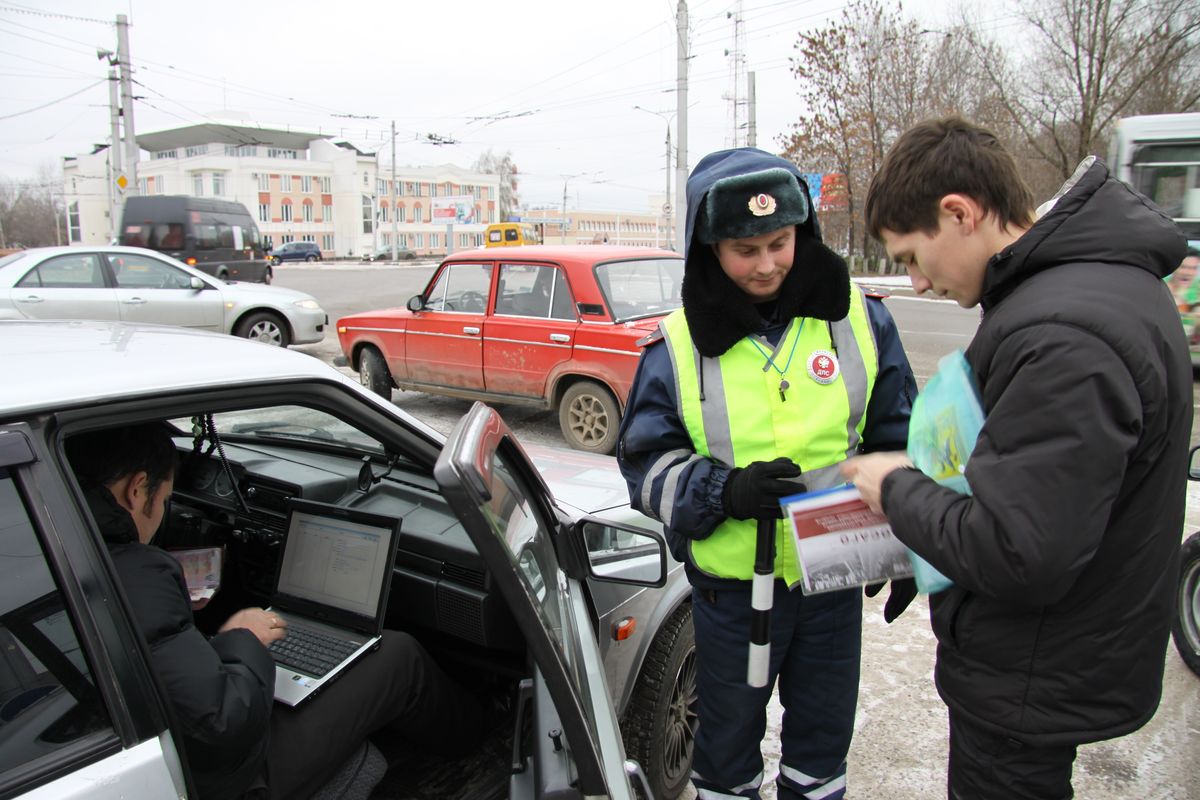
[[308, 651]]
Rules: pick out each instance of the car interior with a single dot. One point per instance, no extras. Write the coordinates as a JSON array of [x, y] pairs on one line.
[[239, 466]]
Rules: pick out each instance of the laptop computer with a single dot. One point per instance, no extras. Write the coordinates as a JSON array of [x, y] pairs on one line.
[[331, 586]]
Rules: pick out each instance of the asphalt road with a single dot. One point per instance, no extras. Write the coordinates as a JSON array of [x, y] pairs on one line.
[[899, 750]]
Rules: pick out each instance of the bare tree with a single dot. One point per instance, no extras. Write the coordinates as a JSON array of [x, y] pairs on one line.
[[31, 210], [502, 165], [1092, 62]]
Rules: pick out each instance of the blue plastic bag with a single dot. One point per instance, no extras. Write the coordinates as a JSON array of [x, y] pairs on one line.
[[946, 419]]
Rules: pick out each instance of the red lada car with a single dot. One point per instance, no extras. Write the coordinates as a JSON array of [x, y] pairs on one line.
[[551, 326]]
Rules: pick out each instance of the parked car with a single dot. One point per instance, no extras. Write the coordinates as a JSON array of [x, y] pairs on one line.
[[296, 251], [218, 237], [385, 254], [133, 284], [1186, 629], [551, 326], [561, 604]]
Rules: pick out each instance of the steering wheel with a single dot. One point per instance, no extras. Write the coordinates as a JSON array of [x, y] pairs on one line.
[[472, 301]]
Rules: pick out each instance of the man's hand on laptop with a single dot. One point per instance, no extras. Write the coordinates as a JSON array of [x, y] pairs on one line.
[[267, 626]]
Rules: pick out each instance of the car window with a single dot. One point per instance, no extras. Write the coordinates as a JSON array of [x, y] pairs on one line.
[[134, 271], [287, 423], [511, 234], [461, 287], [75, 271], [48, 696], [641, 288], [206, 237]]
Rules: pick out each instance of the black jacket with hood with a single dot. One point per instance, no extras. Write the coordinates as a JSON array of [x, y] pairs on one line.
[[221, 689], [1065, 559]]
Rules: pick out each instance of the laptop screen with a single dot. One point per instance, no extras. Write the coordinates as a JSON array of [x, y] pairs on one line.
[[335, 561]]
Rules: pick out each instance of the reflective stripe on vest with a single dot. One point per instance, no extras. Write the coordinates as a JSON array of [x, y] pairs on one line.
[[733, 412]]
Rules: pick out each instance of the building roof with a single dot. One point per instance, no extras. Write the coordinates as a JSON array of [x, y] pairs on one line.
[[226, 133]]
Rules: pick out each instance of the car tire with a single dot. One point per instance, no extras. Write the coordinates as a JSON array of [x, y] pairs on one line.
[[310, 258], [268, 275], [589, 417], [410, 256], [373, 373], [265, 327], [659, 728], [1185, 630]]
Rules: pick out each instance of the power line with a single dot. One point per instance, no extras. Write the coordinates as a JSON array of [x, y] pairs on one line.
[[53, 102], [51, 15]]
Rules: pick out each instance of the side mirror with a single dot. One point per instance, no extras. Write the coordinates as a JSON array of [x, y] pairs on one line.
[[416, 302], [196, 283], [617, 554], [1193, 467]]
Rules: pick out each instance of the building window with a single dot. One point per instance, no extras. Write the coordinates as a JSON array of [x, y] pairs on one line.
[[420, 240], [308, 237], [285, 183], [306, 210], [399, 213], [432, 193], [420, 192], [264, 212], [366, 180], [462, 240], [381, 187], [325, 185], [268, 242], [383, 213], [143, 186], [198, 184], [73, 232], [409, 188], [327, 241], [163, 154], [196, 150], [306, 184], [285, 211], [368, 214], [241, 150], [327, 213], [218, 184], [416, 213], [287, 237], [399, 188], [433, 240], [263, 180], [279, 152]]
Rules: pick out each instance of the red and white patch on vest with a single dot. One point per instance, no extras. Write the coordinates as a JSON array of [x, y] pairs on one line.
[[823, 367]]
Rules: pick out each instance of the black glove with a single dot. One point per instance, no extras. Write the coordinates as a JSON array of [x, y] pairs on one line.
[[753, 492], [902, 593]]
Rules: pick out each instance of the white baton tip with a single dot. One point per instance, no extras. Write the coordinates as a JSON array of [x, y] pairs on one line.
[[756, 669], [762, 592]]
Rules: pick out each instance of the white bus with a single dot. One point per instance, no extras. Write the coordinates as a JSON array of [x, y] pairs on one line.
[[1159, 155]]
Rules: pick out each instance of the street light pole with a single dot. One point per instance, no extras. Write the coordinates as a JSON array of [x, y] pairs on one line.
[[666, 206]]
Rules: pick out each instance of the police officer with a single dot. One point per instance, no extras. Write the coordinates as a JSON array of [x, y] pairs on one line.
[[775, 371]]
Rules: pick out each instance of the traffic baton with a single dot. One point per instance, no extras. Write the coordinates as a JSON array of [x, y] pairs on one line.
[[762, 599]]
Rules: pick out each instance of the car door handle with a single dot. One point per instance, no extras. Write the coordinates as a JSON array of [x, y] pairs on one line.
[[134, 301], [559, 337], [30, 298], [470, 330]]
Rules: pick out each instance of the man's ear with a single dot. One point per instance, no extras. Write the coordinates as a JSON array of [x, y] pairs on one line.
[[961, 210], [130, 490]]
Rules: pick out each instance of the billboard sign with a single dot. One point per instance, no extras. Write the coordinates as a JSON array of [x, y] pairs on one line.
[[454, 210]]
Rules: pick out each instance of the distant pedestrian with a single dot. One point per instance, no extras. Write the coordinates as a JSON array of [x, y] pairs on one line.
[[776, 369], [1064, 560]]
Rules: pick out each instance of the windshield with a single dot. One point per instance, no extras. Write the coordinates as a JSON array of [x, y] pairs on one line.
[[1169, 174], [290, 423], [642, 288]]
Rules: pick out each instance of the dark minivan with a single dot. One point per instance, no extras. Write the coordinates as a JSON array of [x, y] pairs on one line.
[[216, 236]]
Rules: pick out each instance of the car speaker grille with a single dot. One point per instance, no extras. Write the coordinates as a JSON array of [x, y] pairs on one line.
[[464, 575]]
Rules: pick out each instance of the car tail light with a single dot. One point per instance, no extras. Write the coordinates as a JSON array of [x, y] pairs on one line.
[[191, 261]]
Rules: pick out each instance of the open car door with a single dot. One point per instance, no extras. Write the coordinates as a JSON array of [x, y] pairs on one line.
[[507, 511]]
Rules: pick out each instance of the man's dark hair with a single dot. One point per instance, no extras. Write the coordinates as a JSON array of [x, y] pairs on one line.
[[945, 156], [100, 458]]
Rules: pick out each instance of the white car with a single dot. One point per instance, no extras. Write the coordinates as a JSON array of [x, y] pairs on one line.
[[560, 603], [132, 284]]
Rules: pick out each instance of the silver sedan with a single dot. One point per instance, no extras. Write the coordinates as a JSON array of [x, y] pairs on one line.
[[130, 284]]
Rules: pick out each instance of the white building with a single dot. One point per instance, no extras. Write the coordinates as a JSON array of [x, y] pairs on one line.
[[299, 186]]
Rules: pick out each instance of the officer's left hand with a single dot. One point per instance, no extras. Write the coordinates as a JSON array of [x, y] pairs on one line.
[[867, 474], [902, 593]]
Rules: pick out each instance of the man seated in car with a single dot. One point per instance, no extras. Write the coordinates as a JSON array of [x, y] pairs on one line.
[[221, 689]]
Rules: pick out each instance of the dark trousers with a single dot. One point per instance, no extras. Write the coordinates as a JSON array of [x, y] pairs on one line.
[[990, 766], [816, 642], [399, 685]]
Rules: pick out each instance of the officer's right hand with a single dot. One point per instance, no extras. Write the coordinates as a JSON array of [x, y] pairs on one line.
[[753, 492]]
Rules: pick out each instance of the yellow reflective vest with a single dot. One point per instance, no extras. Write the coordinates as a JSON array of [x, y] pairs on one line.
[[809, 404]]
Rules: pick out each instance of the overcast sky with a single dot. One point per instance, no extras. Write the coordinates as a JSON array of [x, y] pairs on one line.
[[553, 81]]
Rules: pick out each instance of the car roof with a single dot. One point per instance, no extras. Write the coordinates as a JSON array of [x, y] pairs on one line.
[[50, 365], [577, 253]]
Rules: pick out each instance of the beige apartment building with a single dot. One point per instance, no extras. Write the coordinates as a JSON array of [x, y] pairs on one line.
[[299, 186], [601, 227]]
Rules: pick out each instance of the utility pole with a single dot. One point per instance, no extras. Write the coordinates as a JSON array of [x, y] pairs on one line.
[[395, 244], [751, 124], [681, 164], [563, 221], [115, 199], [131, 146], [666, 206]]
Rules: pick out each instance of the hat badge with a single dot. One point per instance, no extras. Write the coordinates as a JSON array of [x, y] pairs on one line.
[[762, 205]]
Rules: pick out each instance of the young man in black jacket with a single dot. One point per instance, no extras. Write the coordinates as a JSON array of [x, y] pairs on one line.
[[1065, 557], [222, 688]]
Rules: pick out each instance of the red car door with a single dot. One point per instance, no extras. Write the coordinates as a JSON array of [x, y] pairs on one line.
[[531, 330], [445, 338]]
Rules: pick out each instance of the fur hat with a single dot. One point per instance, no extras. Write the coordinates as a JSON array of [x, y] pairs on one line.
[[754, 203]]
